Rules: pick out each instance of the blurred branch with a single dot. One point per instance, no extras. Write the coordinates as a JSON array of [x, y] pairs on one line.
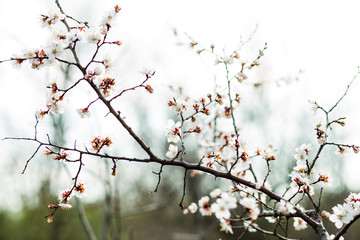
[[84, 221], [107, 212]]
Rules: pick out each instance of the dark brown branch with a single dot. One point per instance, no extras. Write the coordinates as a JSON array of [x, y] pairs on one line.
[[148, 76], [268, 172], [122, 122], [184, 190], [316, 157], [159, 180], [272, 233], [32, 156], [187, 166], [313, 202], [345, 228]]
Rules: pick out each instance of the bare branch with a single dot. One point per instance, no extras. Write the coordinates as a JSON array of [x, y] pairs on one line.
[[159, 180], [184, 190], [346, 91], [32, 156]]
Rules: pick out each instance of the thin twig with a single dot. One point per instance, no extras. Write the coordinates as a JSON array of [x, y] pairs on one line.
[[184, 190]]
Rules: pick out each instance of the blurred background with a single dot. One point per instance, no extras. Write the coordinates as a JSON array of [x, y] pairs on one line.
[[313, 53]]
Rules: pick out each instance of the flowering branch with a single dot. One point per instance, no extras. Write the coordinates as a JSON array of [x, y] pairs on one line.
[[222, 149]]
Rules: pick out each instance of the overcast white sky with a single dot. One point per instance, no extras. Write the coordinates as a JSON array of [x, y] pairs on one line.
[[320, 38]]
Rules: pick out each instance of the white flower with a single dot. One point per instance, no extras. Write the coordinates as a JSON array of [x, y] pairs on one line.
[[322, 140], [180, 106], [204, 206], [64, 205], [173, 131], [40, 114], [332, 236], [172, 151], [225, 226], [299, 224], [254, 213], [268, 154], [227, 200], [107, 62], [74, 35], [80, 190], [222, 205], [108, 18], [63, 198], [57, 15], [300, 183], [300, 167], [52, 18], [286, 207], [250, 204], [84, 112], [147, 71], [186, 211], [220, 210], [271, 219], [341, 151], [53, 50], [103, 30], [55, 106], [193, 207], [302, 152], [354, 200], [241, 77], [97, 71], [250, 226], [94, 37], [342, 214], [228, 60], [216, 193], [176, 109], [325, 177]]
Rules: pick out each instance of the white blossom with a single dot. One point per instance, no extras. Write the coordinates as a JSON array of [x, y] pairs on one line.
[[173, 131], [286, 207], [216, 193], [204, 206], [193, 207], [226, 226], [299, 224], [172, 151]]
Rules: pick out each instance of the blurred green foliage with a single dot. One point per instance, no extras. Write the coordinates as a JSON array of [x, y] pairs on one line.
[[167, 222]]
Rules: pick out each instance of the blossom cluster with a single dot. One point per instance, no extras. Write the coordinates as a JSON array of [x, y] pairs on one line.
[[225, 150], [344, 213], [97, 143], [302, 172], [220, 203], [62, 45], [61, 156], [64, 197], [221, 206]]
